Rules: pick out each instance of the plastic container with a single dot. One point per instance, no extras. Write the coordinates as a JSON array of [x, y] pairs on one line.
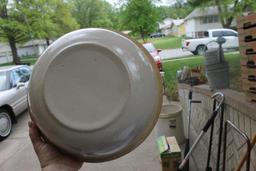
[[170, 122], [218, 79], [212, 56], [217, 66]]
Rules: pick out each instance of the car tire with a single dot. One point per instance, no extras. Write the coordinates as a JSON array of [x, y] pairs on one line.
[[200, 50], [194, 53], [5, 124]]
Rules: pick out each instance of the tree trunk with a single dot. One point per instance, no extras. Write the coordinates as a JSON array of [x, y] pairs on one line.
[[225, 23], [12, 43], [142, 34], [47, 41]]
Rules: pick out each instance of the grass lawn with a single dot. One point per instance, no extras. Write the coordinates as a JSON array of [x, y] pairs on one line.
[[32, 61], [165, 43], [172, 66]]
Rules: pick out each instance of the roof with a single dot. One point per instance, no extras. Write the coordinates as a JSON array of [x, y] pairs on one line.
[[166, 23], [178, 22], [169, 22], [9, 67], [203, 12]]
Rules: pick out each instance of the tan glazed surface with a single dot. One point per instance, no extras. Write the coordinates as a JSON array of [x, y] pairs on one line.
[[95, 94]]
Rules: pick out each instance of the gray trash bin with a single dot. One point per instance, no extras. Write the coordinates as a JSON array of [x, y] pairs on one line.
[[170, 122]]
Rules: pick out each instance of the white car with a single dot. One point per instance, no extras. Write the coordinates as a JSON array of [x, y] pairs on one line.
[[13, 96], [199, 45]]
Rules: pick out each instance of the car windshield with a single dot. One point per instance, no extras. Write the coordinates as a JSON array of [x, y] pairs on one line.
[[3, 81], [150, 47]]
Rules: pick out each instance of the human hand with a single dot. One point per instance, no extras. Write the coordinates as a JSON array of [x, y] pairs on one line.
[[50, 158]]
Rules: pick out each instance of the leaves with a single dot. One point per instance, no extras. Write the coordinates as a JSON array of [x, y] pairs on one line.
[[140, 16], [228, 9], [93, 13]]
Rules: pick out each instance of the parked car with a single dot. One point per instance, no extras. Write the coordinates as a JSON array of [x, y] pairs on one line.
[[155, 35], [200, 45], [13, 96], [155, 54]]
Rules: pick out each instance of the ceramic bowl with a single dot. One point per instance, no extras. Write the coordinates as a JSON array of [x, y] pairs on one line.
[[95, 94]]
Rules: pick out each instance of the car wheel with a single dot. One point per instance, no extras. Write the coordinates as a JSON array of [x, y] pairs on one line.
[[200, 50], [194, 53], [5, 124]]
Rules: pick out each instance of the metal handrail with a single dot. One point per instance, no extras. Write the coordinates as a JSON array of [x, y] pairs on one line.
[[244, 136], [220, 98]]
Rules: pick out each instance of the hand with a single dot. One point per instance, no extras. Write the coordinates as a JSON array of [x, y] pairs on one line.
[[50, 158]]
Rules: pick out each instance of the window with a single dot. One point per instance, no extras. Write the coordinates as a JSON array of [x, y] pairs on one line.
[[150, 47], [215, 19], [216, 33], [209, 19], [25, 72], [229, 33], [15, 77], [20, 75], [206, 34]]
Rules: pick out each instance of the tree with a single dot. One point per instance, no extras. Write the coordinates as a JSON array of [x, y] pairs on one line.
[[177, 10], [29, 19], [48, 18], [12, 28], [228, 9], [93, 13], [140, 16]]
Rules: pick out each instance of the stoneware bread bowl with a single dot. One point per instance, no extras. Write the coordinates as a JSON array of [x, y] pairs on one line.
[[95, 94]]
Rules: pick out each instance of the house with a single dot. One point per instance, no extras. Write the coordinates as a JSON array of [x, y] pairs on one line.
[[174, 27], [5, 53], [201, 20], [178, 28], [165, 26], [32, 48]]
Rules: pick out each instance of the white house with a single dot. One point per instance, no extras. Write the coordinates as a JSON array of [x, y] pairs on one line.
[[5, 53], [201, 20], [177, 27], [171, 26], [32, 48], [165, 26]]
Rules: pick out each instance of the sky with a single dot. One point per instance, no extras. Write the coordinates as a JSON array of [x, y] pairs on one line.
[[162, 2]]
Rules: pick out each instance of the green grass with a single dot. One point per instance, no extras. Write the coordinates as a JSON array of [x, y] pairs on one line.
[[6, 64], [172, 66], [165, 43], [32, 61]]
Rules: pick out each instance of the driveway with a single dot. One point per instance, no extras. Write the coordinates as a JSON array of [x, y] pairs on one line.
[[17, 154], [174, 53]]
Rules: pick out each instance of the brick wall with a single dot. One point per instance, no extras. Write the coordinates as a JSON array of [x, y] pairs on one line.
[[238, 113]]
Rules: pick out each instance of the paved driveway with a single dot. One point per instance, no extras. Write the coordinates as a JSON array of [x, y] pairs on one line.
[[174, 53], [17, 154]]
